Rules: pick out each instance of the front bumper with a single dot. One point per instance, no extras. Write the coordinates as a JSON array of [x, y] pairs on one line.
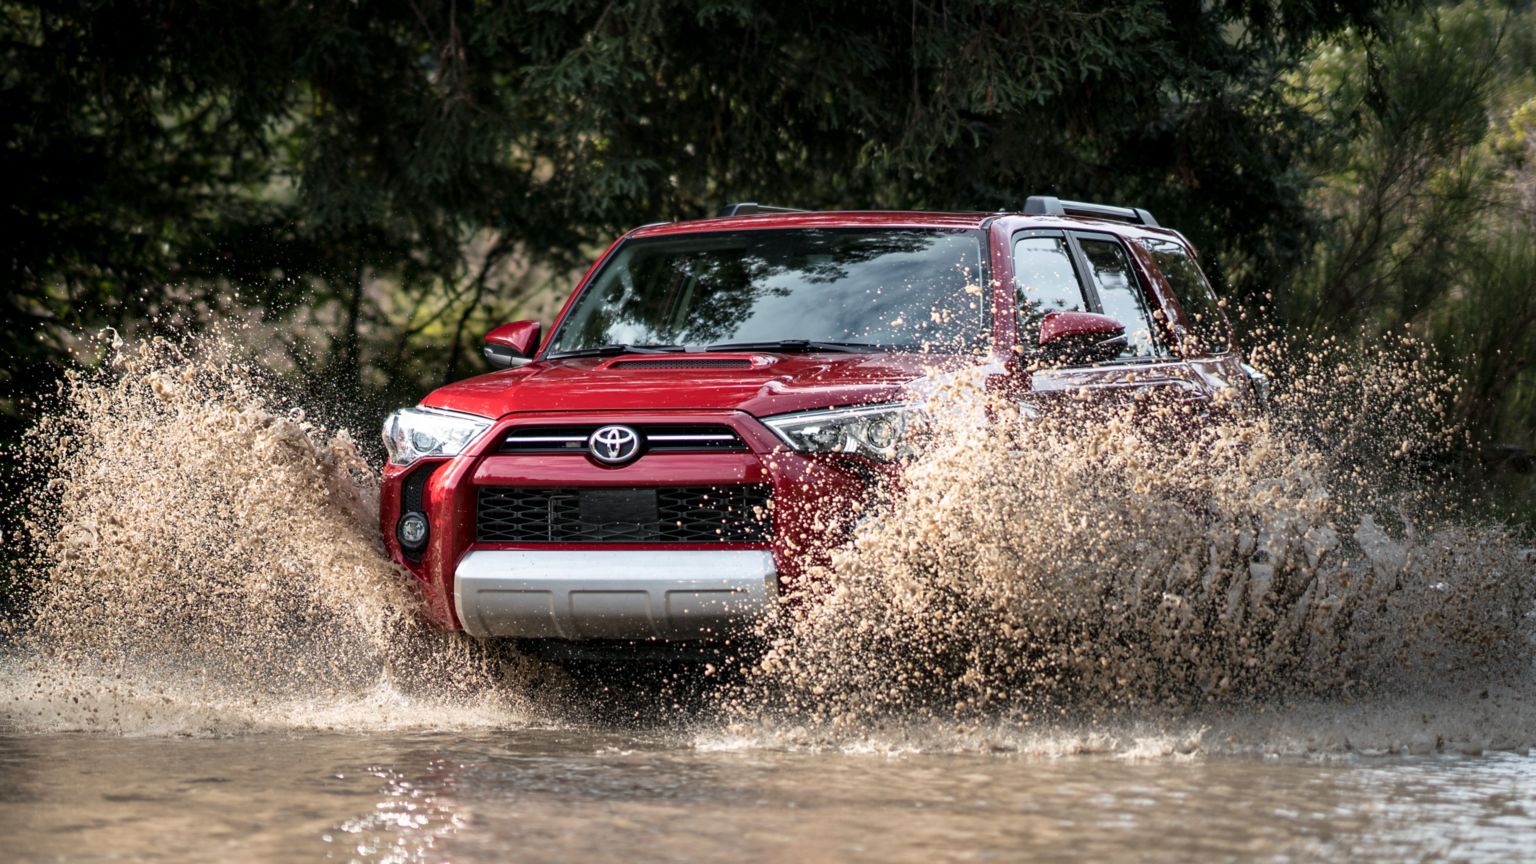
[[610, 594], [569, 588]]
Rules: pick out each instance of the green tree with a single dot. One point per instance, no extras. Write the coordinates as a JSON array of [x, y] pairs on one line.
[[1428, 191], [388, 177]]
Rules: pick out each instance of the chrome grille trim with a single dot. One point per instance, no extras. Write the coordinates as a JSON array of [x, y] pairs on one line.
[[654, 437]]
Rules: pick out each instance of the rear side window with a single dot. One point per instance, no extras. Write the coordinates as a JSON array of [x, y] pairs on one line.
[[1119, 294], [1044, 280], [1206, 332]]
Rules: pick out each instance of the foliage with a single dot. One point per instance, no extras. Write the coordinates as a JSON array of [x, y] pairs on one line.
[[385, 179], [1428, 191]]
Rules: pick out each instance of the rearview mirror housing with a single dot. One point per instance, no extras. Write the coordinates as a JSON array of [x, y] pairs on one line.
[[512, 345], [1081, 337]]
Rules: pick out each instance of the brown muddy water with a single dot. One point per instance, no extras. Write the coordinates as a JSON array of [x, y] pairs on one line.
[[1070, 636], [551, 794]]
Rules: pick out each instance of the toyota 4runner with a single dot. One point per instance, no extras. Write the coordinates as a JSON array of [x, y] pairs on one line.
[[681, 447]]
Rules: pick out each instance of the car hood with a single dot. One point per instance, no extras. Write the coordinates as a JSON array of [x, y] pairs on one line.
[[759, 383]]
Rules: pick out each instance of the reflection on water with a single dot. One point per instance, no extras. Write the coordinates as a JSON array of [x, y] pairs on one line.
[[575, 794]]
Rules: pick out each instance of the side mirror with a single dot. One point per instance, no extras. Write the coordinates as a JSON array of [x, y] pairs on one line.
[[1081, 337], [512, 344]]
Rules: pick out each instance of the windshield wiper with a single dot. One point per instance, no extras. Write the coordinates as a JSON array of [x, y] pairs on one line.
[[610, 350], [800, 345]]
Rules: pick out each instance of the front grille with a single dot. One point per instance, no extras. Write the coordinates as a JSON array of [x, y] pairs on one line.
[[654, 438], [675, 514]]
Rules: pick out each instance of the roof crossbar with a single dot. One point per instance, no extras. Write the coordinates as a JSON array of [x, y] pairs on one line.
[[1046, 205], [751, 208]]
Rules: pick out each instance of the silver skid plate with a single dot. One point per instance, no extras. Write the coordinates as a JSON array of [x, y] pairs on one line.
[[612, 594]]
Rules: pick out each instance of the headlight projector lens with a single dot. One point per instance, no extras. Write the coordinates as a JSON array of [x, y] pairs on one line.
[[412, 531]]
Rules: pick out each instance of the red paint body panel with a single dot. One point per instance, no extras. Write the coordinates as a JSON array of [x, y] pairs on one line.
[[788, 382], [520, 336], [1070, 325], [815, 497]]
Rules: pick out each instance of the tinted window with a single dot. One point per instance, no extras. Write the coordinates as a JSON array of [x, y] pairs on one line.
[[1207, 333], [1045, 281], [1121, 297], [904, 289]]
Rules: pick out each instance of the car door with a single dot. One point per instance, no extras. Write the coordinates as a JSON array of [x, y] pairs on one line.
[[1084, 270]]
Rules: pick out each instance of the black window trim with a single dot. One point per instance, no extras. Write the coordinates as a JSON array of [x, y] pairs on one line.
[[1082, 271], [1074, 256]]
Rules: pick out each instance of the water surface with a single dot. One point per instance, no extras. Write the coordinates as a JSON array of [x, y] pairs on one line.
[[596, 795]]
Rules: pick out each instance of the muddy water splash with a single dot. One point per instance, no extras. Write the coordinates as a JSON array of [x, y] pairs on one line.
[[1066, 571], [205, 561], [1086, 579]]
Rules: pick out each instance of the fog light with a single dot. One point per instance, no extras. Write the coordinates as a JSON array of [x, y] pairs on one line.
[[412, 531]]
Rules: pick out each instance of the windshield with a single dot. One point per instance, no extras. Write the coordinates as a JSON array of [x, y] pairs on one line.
[[905, 289]]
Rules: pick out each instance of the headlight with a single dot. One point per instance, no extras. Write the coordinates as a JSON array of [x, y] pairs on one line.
[[411, 433], [882, 432]]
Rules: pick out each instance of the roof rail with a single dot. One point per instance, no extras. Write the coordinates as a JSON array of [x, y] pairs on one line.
[[750, 208], [1046, 205]]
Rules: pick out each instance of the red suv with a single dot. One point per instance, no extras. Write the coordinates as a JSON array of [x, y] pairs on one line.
[[687, 440]]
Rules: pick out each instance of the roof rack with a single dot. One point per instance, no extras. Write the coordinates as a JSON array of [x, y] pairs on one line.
[[1046, 205], [750, 208]]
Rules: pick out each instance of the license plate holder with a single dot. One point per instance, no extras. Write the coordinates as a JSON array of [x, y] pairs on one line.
[[616, 507]]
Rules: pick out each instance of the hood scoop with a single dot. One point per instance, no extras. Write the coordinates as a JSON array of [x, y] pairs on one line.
[[680, 361]]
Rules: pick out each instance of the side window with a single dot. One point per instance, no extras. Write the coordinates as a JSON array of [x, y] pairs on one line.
[[1044, 280], [1120, 296], [1207, 325]]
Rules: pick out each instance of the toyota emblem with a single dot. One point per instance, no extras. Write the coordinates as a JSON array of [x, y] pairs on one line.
[[614, 445]]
